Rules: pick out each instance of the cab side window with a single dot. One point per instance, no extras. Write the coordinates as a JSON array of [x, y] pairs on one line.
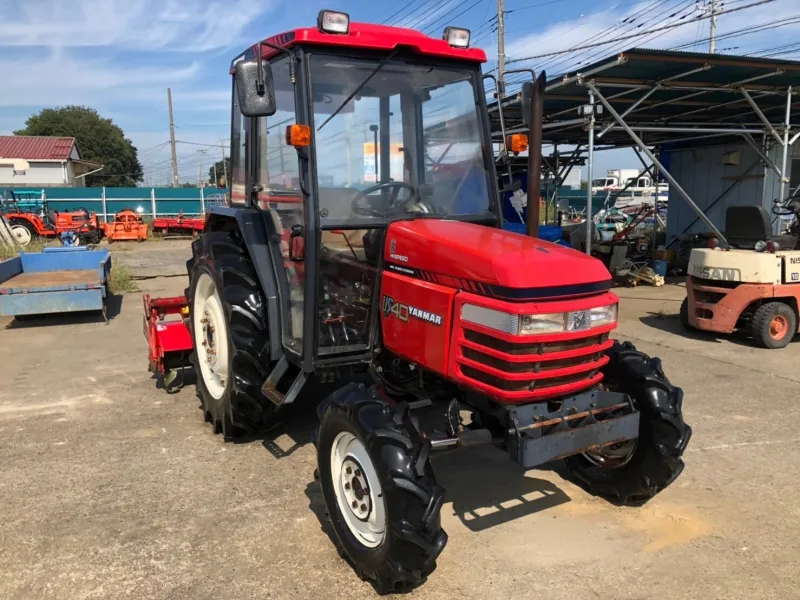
[[239, 127]]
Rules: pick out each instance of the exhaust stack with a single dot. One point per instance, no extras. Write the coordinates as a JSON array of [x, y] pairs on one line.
[[533, 114]]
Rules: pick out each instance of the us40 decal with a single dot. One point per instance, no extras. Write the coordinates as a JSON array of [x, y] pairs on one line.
[[404, 311]]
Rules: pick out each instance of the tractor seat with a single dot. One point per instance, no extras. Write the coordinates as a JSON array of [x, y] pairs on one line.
[[747, 225], [337, 241]]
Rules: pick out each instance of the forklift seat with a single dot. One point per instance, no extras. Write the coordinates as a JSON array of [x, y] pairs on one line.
[[746, 225]]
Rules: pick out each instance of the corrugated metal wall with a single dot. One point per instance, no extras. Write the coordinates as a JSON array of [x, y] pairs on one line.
[[702, 174], [38, 173]]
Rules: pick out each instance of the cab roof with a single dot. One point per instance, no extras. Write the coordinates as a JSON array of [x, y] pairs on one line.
[[369, 37]]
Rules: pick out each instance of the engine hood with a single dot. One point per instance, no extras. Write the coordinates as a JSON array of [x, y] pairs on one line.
[[490, 261]]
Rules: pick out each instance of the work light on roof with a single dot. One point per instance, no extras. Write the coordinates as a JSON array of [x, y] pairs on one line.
[[456, 37], [330, 21]]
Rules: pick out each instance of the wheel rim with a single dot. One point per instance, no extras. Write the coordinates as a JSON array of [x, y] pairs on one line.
[[778, 327], [358, 490], [21, 234], [613, 456], [210, 336]]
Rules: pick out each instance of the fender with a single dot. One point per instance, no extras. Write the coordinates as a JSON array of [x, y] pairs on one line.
[[259, 234]]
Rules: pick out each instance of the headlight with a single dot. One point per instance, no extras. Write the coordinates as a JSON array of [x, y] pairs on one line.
[[546, 323], [456, 37], [603, 315], [577, 320], [329, 21]]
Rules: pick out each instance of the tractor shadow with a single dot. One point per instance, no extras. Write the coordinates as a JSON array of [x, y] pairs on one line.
[[487, 489], [113, 309]]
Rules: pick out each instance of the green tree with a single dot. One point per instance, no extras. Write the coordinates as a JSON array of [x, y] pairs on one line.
[[99, 140], [219, 168]]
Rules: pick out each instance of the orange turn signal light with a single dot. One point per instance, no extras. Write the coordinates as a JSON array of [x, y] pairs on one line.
[[298, 136], [517, 143]]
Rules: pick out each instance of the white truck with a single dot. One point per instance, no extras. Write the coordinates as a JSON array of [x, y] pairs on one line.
[[615, 179]]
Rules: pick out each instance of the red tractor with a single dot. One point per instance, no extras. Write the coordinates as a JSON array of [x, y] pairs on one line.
[[27, 225], [392, 283]]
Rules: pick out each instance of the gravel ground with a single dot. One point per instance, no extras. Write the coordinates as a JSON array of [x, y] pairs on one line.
[[113, 489]]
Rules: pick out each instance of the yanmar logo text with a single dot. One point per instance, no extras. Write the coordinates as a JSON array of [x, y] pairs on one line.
[[405, 311]]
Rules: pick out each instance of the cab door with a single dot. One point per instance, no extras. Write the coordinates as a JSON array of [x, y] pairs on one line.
[[258, 146]]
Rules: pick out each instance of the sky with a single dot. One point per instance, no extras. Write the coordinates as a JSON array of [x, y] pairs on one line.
[[120, 56]]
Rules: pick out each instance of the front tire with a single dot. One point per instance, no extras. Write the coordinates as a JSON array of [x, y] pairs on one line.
[[773, 325], [633, 472], [229, 336], [379, 489], [684, 316]]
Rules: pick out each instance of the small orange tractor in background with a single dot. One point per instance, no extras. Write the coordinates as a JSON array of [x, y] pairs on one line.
[[126, 226], [27, 224]]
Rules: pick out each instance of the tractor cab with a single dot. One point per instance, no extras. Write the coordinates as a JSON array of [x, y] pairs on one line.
[[339, 131]]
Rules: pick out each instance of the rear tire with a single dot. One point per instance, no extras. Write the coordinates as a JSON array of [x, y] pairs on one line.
[[773, 325], [653, 460], [224, 290], [393, 534]]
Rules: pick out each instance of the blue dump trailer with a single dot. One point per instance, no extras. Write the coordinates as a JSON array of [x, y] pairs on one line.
[[57, 280]]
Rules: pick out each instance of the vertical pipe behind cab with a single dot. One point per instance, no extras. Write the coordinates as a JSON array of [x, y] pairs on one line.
[[533, 115]]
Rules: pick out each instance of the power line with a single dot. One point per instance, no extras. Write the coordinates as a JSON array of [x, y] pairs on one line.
[[625, 25], [416, 20], [636, 35], [530, 6], [675, 15], [393, 15], [420, 11], [198, 144], [782, 22], [435, 24]]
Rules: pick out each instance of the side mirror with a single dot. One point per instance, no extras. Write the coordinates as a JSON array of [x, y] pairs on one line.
[[254, 88], [527, 96]]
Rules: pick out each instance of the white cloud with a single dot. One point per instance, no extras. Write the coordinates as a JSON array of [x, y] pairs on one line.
[[59, 78], [190, 25]]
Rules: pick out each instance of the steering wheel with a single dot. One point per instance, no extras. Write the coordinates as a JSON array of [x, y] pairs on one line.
[[789, 206], [367, 211]]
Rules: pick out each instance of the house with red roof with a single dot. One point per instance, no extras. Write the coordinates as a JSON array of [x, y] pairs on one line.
[[41, 161]]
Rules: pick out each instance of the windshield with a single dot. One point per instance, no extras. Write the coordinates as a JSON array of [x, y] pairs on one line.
[[408, 142]]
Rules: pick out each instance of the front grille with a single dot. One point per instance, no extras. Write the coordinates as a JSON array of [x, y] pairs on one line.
[[532, 369], [717, 283], [519, 386], [525, 367], [530, 347], [708, 297]]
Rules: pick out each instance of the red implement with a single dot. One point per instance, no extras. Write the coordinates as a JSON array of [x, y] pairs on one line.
[[169, 341], [179, 225]]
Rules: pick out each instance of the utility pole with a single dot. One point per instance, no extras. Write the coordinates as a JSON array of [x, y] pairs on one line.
[[172, 141], [501, 49], [224, 166], [201, 178], [712, 42]]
